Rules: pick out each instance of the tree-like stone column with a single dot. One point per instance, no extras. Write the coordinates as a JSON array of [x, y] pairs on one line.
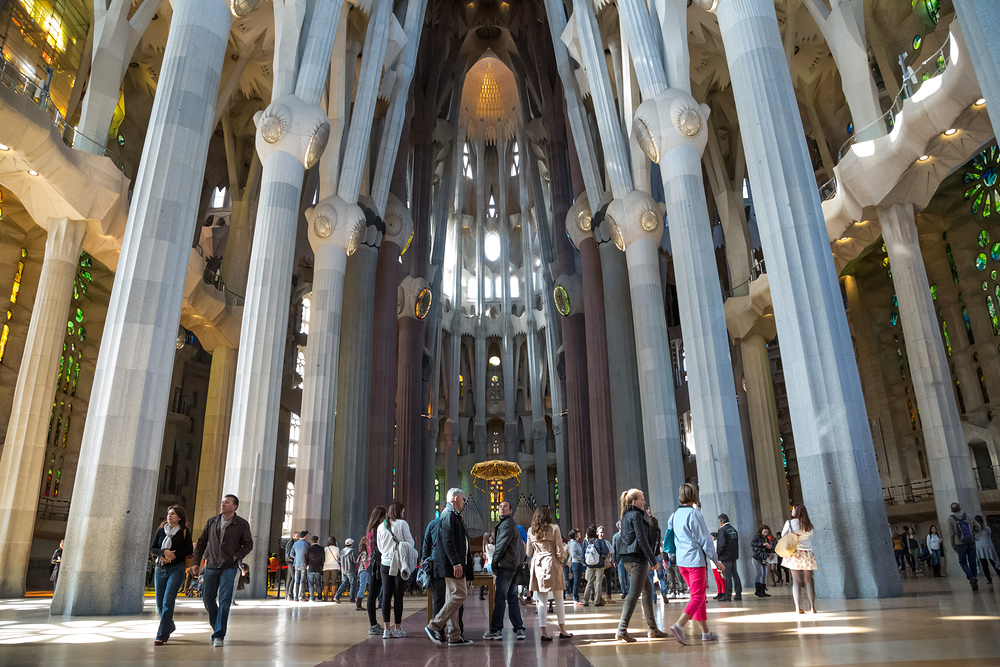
[[113, 500], [335, 231], [635, 225], [410, 446], [833, 443], [947, 452], [980, 22], [215, 436], [24, 452]]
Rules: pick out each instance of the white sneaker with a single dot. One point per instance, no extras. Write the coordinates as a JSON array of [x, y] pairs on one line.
[[217, 642], [387, 634], [399, 634]]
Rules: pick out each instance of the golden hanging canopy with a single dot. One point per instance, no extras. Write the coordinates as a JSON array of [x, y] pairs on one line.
[[495, 471]]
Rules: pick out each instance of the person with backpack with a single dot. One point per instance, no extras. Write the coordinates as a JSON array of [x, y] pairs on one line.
[[962, 533], [508, 557], [595, 556], [688, 537]]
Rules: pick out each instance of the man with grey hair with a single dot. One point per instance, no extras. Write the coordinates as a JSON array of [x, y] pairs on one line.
[[453, 564]]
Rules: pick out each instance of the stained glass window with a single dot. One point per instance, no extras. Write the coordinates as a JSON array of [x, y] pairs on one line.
[[934, 292], [951, 263], [981, 182], [946, 337], [968, 326], [982, 385], [984, 238], [958, 395], [902, 366], [991, 308], [913, 417], [981, 261], [894, 318]]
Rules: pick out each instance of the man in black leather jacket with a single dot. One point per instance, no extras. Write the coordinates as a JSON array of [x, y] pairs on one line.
[[508, 556], [728, 546]]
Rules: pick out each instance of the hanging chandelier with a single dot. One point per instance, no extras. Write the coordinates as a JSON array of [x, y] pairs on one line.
[[495, 471]]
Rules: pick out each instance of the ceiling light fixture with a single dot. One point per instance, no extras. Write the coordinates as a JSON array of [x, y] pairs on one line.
[[494, 360], [32, 172], [950, 132], [980, 102], [4, 147], [923, 158]]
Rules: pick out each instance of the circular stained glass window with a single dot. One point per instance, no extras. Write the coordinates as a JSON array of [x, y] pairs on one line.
[[981, 184], [917, 41], [561, 297], [423, 305], [981, 261], [984, 238]]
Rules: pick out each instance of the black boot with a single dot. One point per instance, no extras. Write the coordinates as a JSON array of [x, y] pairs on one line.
[[763, 591], [758, 590]]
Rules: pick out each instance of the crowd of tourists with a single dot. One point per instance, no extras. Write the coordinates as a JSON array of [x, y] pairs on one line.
[[534, 563]]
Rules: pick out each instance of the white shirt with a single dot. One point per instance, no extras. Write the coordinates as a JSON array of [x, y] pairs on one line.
[[332, 558], [805, 538], [933, 541], [386, 543]]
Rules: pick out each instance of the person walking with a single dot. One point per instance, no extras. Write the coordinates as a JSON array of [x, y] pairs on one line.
[[802, 563], [508, 556], [638, 554], [223, 543], [933, 542], [348, 572], [729, 552], [452, 563], [56, 562], [985, 551], [596, 558], [290, 567], [576, 563], [315, 555], [171, 546], [391, 533], [374, 559], [693, 548], [619, 563], [300, 583], [545, 549], [331, 567], [762, 547], [962, 532]]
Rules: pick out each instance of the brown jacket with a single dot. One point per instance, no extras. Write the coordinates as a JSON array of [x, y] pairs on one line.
[[547, 558], [236, 543]]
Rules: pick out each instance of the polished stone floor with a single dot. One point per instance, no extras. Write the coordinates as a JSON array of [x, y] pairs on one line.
[[937, 622]]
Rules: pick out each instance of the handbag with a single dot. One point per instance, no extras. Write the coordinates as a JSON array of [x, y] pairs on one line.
[[787, 545]]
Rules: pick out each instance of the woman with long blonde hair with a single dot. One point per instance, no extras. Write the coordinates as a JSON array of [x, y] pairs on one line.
[[802, 563], [545, 549], [639, 555]]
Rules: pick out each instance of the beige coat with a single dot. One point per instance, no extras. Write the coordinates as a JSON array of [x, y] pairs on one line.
[[547, 556]]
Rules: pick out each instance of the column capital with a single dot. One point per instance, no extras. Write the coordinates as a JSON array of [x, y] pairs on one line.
[[241, 8], [579, 219], [632, 217], [752, 314], [413, 298], [708, 5], [671, 119], [289, 125], [65, 237], [398, 223], [335, 222]]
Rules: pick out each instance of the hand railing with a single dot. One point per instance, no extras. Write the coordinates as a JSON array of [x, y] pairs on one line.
[[756, 271], [12, 78], [52, 509], [913, 492]]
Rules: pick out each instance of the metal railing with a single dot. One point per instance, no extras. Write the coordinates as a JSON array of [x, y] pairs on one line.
[[987, 477], [12, 78], [914, 492], [881, 126], [53, 509], [828, 190], [756, 271]]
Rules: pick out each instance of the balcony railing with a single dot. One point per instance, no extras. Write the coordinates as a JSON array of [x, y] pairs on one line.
[[914, 492], [52, 509], [12, 78], [756, 271], [987, 477]]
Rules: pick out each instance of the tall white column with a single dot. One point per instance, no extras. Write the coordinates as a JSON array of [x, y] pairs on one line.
[[947, 452], [772, 492], [24, 451], [980, 22], [215, 437], [335, 230], [114, 494], [636, 226], [837, 466]]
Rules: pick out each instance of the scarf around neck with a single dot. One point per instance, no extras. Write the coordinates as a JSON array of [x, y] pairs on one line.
[[168, 541]]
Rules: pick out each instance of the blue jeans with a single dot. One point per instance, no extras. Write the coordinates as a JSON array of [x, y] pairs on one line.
[[218, 583], [300, 583], [348, 583], [506, 595], [967, 559], [315, 585], [579, 575], [623, 579], [362, 583], [168, 580]]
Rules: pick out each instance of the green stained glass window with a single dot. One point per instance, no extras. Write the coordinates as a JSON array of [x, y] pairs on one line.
[[984, 238], [79, 315], [885, 261], [917, 41], [980, 179], [981, 261], [82, 334], [946, 337], [86, 276], [86, 262], [76, 292], [70, 327], [83, 287], [951, 263], [986, 286], [968, 326], [991, 308], [934, 292]]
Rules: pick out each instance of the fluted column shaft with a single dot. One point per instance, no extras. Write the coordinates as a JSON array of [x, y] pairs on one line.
[[118, 468], [947, 452], [24, 451], [832, 438], [578, 454], [772, 492], [215, 436], [383, 378], [409, 434], [980, 22]]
